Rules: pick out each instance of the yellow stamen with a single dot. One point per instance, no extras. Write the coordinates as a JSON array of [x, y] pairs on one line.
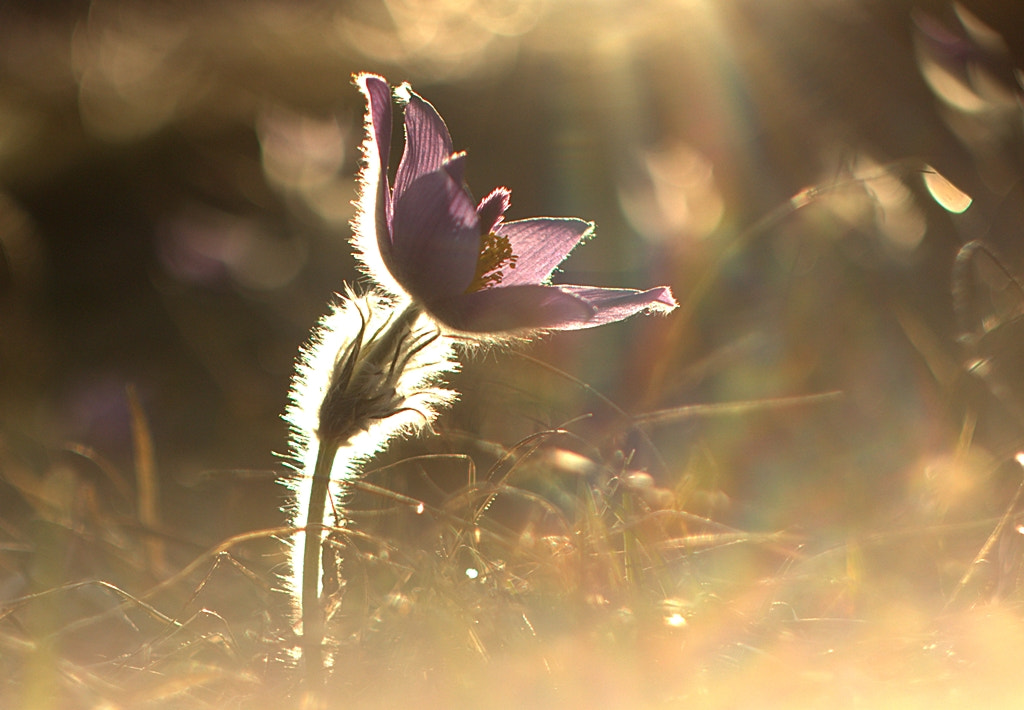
[[495, 254]]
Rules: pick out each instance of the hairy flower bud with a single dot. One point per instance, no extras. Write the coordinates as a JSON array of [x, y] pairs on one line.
[[368, 374]]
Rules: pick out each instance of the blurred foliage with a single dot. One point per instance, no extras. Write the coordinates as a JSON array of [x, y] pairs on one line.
[[175, 186]]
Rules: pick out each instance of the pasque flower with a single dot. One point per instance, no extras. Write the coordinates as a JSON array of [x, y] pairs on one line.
[[441, 266], [459, 260]]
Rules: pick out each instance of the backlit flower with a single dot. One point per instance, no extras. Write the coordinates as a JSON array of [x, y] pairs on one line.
[[460, 261]]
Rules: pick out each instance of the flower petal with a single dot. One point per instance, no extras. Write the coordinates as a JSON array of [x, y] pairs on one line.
[[519, 308], [615, 304], [491, 209], [436, 240], [427, 143], [540, 245], [455, 166], [371, 234], [378, 117]]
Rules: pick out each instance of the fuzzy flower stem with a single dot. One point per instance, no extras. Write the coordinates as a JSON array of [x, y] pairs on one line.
[[362, 391], [312, 613]]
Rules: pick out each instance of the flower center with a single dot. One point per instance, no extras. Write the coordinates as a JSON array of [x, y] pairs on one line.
[[495, 254]]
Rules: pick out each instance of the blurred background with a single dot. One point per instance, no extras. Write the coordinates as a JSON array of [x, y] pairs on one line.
[[175, 187]]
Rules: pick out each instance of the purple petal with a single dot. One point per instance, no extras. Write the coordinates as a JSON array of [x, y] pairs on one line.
[[455, 166], [541, 244], [519, 308], [378, 97], [491, 209], [615, 304], [436, 240], [427, 143], [378, 120]]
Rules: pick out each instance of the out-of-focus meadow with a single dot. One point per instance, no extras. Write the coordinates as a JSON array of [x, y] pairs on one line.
[[798, 490]]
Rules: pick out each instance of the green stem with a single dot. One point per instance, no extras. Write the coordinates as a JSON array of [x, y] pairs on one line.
[[312, 613]]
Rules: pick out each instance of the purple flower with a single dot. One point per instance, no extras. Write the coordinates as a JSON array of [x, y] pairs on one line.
[[461, 262]]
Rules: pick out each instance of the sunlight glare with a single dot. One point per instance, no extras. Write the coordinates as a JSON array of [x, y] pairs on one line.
[[949, 197], [678, 198], [676, 620]]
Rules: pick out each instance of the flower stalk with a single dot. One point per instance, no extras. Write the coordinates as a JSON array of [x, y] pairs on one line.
[[363, 391], [367, 376], [313, 621]]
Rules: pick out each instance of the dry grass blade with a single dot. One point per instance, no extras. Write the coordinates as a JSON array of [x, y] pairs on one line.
[[728, 409], [146, 481]]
